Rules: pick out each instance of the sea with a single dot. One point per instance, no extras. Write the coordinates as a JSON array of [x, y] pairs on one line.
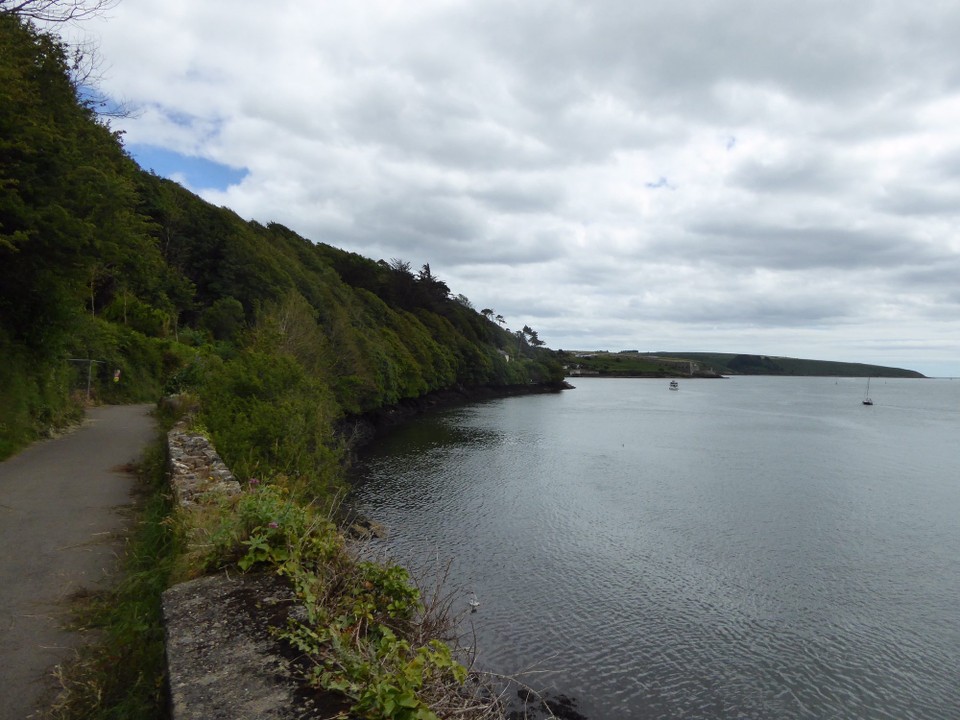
[[747, 547]]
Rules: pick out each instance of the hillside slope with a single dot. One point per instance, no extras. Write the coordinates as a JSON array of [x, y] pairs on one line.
[[115, 276]]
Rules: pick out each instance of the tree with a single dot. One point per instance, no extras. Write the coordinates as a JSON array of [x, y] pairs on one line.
[[435, 290], [487, 313], [67, 204], [500, 320], [534, 339], [402, 267], [224, 319], [55, 11], [85, 60]]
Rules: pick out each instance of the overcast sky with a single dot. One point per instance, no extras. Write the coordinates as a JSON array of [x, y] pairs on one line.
[[759, 176]]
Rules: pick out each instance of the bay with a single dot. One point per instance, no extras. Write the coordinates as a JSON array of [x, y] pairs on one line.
[[752, 547]]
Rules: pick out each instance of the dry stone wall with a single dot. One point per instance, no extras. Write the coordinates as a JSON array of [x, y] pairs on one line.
[[196, 470]]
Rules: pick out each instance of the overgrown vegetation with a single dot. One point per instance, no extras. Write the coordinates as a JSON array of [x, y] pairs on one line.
[[117, 285], [367, 633]]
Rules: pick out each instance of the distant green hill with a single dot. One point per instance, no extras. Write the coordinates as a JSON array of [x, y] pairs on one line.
[[743, 364], [631, 364], [678, 364]]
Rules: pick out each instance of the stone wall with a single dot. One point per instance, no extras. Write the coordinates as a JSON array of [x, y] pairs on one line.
[[196, 470], [223, 659]]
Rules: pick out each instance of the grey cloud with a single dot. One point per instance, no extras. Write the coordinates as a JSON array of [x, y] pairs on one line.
[[424, 219], [807, 175], [675, 54], [776, 310], [513, 197], [925, 201], [947, 166], [944, 274], [510, 145], [801, 248], [397, 112], [934, 288]]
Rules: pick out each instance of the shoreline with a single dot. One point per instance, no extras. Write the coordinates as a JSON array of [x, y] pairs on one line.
[[358, 431]]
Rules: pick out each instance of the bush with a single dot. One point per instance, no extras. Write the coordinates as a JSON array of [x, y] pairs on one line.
[[266, 414]]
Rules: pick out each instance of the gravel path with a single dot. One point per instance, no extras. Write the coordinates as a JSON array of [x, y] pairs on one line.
[[62, 516]]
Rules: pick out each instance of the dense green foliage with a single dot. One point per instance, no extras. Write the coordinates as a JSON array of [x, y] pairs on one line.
[[104, 267]]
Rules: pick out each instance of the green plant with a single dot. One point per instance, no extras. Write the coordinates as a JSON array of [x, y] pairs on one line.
[[261, 550], [361, 616], [389, 680]]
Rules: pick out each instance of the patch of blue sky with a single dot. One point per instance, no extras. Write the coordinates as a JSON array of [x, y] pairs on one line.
[[196, 172], [661, 183], [98, 102], [180, 118]]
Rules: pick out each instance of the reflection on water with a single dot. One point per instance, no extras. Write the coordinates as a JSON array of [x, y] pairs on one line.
[[745, 548]]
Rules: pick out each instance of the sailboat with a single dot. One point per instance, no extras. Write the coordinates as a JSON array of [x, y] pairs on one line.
[[866, 395]]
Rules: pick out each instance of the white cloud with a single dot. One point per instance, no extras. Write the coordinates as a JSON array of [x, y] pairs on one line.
[[774, 177]]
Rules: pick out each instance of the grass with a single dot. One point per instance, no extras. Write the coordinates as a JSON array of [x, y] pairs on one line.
[[625, 364], [120, 675]]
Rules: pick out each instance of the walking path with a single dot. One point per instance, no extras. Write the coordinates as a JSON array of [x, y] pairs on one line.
[[61, 524]]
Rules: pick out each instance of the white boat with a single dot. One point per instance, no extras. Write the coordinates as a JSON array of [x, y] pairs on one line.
[[866, 396], [674, 385]]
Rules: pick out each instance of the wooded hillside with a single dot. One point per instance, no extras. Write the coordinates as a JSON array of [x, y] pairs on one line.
[[107, 268]]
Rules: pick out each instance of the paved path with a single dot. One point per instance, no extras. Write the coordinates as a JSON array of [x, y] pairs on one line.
[[61, 519]]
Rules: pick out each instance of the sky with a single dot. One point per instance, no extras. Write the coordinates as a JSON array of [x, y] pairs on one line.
[[768, 177]]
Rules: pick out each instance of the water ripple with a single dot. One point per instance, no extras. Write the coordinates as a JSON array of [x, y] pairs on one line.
[[704, 554]]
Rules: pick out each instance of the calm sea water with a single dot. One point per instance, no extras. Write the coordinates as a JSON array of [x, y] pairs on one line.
[[742, 548]]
